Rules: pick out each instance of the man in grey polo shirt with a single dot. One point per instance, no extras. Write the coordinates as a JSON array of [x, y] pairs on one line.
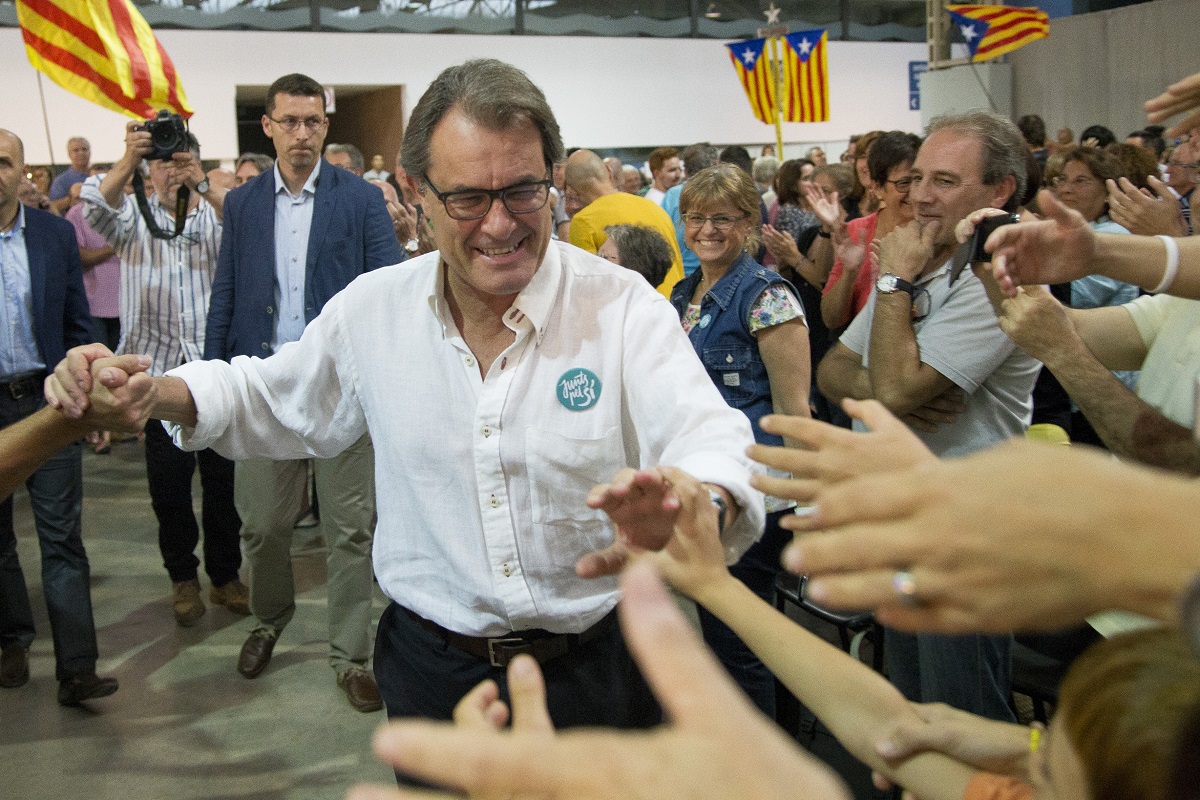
[[933, 353]]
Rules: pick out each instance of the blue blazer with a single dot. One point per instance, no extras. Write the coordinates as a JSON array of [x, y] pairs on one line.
[[61, 318], [351, 234]]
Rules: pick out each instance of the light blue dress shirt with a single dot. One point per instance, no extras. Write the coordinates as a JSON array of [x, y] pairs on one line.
[[18, 345], [293, 221]]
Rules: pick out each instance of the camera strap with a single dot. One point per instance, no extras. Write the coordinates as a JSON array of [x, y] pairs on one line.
[[181, 204]]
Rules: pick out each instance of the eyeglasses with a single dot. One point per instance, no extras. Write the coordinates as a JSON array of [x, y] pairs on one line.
[[1183, 165], [1078, 182], [469, 204], [902, 185], [921, 303], [722, 222], [293, 124]]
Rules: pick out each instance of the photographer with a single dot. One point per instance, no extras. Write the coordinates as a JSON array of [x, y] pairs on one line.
[[165, 289]]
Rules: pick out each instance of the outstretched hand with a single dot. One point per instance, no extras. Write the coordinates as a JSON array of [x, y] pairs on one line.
[[1179, 97], [119, 395], [643, 505], [831, 454], [1056, 249], [715, 745]]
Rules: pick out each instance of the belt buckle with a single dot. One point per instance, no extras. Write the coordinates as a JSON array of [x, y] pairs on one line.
[[500, 659]]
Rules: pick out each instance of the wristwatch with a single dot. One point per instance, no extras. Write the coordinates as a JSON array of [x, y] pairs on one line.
[[890, 283], [718, 500], [202, 186]]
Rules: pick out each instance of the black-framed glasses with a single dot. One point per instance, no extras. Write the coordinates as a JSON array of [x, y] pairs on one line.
[[722, 222], [1078, 182], [293, 124], [469, 204], [903, 185]]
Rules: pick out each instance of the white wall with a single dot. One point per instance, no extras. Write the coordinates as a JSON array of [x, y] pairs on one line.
[[606, 92]]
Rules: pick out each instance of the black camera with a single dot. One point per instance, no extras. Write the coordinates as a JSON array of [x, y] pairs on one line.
[[169, 134], [983, 230]]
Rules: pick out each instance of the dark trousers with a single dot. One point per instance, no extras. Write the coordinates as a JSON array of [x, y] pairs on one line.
[[597, 684], [758, 569], [972, 673], [56, 494], [107, 331], [169, 472]]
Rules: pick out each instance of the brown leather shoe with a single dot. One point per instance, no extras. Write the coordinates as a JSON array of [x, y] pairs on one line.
[[84, 686], [360, 688], [233, 595], [14, 666], [186, 602], [256, 652]]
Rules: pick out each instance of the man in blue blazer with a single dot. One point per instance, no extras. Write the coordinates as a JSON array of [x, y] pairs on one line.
[[44, 312], [294, 237]]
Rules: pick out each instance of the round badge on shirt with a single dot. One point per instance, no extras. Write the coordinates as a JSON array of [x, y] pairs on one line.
[[578, 389]]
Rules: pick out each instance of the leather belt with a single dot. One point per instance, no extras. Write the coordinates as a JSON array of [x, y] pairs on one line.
[[499, 650], [22, 385]]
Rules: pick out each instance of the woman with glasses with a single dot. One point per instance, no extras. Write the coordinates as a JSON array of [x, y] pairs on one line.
[[748, 328], [1077, 177], [855, 270]]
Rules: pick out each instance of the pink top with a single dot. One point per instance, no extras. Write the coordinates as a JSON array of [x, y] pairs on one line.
[[859, 230], [103, 281]]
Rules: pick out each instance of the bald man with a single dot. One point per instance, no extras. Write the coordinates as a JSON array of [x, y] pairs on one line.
[[590, 188]]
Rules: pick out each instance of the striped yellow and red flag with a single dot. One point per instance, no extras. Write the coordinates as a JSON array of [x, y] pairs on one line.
[[103, 51], [992, 31], [754, 71], [806, 76]]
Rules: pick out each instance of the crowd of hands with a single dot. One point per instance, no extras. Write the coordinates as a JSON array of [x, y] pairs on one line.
[[873, 502]]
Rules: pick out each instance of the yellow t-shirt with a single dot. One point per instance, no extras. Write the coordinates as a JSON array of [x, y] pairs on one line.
[[622, 208]]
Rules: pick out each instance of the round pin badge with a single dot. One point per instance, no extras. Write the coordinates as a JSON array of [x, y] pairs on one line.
[[707, 318], [578, 389]]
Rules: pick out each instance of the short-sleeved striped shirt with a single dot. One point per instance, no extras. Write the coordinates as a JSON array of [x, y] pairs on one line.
[[165, 283]]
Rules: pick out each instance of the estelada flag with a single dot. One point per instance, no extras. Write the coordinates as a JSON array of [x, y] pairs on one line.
[[754, 71], [992, 31], [103, 51], [806, 76]]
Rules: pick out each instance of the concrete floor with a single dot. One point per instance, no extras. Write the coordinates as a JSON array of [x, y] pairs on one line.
[[184, 724]]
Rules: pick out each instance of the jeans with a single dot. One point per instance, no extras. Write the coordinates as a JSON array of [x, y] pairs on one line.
[[972, 673], [757, 569], [56, 494], [169, 473]]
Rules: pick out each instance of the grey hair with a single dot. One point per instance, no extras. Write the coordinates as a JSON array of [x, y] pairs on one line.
[[643, 250], [493, 94], [261, 162], [765, 168], [356, 156], [1003, 147]]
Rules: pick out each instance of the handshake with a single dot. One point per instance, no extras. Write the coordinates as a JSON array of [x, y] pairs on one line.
[[109, 392]]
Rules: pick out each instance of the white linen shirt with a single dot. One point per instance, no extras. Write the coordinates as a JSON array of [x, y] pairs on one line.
[[165, 283], [481, 482]]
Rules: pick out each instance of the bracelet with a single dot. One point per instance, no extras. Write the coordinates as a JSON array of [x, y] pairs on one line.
[[824, 234], [1035, 739], [1172, 268]]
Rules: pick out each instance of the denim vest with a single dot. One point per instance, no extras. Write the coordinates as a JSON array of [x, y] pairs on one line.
[[723, 340]]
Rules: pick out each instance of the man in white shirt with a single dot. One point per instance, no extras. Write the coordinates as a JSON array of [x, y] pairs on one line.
[[666, 170], [501, 379]]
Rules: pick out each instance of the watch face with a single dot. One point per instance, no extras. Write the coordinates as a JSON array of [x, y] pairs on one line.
[[886, 283]]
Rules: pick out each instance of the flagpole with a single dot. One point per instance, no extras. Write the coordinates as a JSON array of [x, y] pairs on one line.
[[777, 85], [45, 118]]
